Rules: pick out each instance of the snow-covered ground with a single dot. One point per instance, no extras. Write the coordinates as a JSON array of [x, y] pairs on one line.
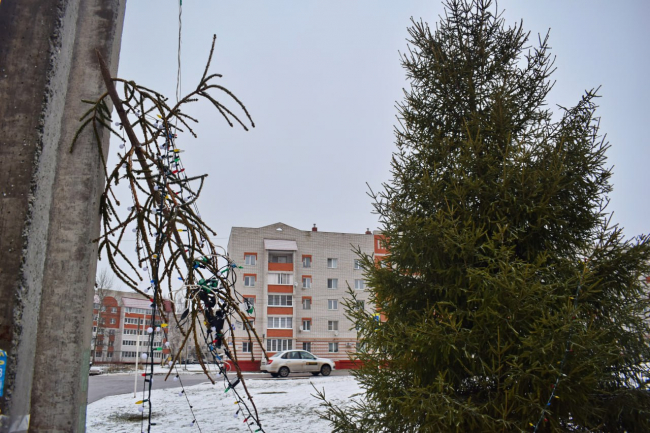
[[285, 405]]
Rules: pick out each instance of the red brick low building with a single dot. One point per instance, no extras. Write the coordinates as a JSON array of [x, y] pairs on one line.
[[120, 322]]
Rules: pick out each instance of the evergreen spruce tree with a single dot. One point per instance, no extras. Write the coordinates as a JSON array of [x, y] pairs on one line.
[[509, 301]]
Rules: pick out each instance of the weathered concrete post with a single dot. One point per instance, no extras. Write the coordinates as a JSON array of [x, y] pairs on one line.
[[49, 202]]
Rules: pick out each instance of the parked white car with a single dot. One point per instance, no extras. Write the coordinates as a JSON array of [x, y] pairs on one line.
[[296, 361], [95, 371]]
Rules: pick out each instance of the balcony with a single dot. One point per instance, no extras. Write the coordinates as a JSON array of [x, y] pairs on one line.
[[281, 261], [286, 267]]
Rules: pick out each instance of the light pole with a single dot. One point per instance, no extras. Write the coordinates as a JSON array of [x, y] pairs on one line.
[[137, 356]]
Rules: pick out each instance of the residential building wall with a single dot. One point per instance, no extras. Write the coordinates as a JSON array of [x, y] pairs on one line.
[[331, 335], [120, 322]]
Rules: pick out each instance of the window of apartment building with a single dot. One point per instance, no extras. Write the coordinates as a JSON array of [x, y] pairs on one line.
[[247, 347], [94, 329], [306, 303], [98, 354], [280, 300], [250, 258], [306, 345], [130, 320], [357, 264], [157, 354], [113, 309], [359, 284], [332, 325], [157, 344], [306, 261], [306, 324], [250, 300], [332, 263], [249, 324], [306, 282], [112, 321], [280, 258], [128, 343], [277, 345], [111, 343], [96, 306], [249, 280], [109, 354], [333, 347], [280, 278], [332, 304], [280, 322], [138, 310], [111, 332], [332, 283], [128, 354]]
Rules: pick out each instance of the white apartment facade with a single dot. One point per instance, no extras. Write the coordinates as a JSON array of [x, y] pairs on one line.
[[297, 281]]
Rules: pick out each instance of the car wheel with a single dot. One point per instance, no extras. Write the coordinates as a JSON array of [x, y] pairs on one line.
[[274, 374], [283, 372], [325, 370], [315, 373]]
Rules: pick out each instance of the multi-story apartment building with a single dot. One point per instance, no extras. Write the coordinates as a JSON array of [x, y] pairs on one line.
[[120, 322], [297, 281]]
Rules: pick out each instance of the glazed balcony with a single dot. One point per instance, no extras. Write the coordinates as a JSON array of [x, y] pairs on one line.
[[280, 261]]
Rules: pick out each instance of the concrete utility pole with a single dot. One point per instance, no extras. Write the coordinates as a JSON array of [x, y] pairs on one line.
[[49, 204]]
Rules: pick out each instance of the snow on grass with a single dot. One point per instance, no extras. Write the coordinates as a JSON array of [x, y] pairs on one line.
[[285, 405]]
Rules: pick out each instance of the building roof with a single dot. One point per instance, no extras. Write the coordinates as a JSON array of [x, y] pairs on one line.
[[137, 303]]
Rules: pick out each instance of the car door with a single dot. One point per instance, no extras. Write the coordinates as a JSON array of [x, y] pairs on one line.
[[294, 361], [310, 362]]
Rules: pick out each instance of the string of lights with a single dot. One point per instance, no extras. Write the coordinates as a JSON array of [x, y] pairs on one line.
[[203, 292], [171, 237], [180, 28], [172, 171]]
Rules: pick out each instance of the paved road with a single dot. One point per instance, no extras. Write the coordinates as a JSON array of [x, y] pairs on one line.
[[113, 384]]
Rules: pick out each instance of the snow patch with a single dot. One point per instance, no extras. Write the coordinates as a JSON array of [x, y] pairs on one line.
[[284, 405]]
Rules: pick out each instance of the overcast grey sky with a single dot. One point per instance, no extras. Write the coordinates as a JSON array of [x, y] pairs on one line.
[[321, 78]]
